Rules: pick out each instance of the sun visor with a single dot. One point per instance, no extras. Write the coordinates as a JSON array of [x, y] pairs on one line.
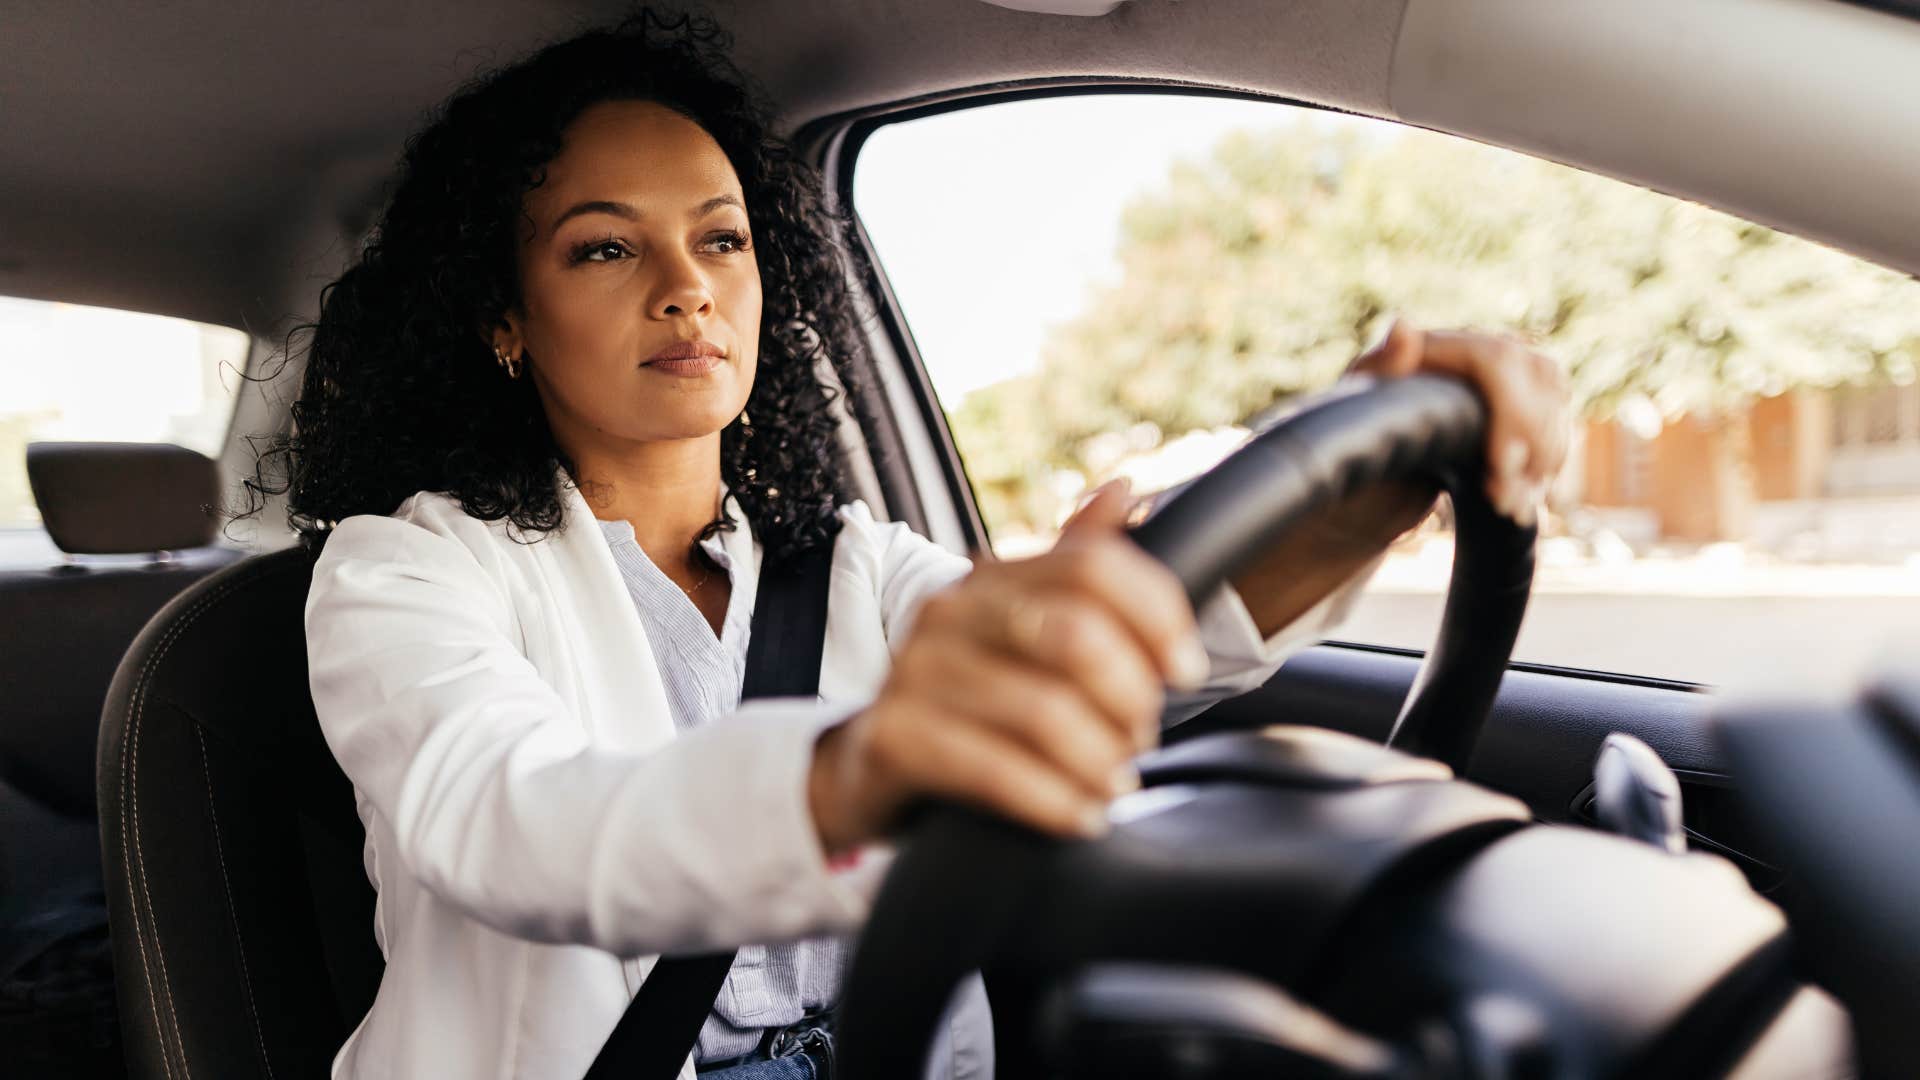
[[1058, 7]]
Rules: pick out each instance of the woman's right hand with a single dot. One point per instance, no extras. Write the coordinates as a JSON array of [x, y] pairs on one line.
[[1024, 689]]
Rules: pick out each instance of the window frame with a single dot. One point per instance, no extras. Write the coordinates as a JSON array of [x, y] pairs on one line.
[[908, 473], [909, 470]]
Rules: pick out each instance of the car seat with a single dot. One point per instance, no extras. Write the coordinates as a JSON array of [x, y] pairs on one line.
[[66, 626], [242, 914]]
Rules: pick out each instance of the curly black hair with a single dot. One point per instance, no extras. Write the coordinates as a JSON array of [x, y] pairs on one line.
[[401, 392]]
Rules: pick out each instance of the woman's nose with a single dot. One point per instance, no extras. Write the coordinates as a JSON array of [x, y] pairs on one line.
[[682, 290]]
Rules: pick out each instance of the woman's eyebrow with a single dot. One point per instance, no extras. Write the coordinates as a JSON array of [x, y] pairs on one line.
[[631, 213]]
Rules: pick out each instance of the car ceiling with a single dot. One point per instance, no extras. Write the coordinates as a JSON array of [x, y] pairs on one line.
[[170, 157], [216, 161]]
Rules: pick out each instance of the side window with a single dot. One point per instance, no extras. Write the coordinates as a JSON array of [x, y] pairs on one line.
[[87, 373], [1128, 284]]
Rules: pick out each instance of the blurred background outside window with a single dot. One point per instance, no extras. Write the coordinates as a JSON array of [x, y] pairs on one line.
[[1112, 285], [70, 372]]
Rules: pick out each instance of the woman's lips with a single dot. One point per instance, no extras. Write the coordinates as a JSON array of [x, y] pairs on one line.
[[687, 358], [690, 367]]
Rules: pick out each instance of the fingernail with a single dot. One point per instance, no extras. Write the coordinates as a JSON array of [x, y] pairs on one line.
[[1527, 514], [1521, 500], [1513, 459], [1124, 781], [1119, 485], [1094, 823], [1190, 665], [1536, 501], [1122, 484], [1506, 498]]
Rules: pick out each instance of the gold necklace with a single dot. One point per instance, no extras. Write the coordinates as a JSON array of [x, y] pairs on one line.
[[695, 587]]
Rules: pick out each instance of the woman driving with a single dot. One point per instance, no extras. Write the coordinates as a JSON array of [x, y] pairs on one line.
[[573, 395]]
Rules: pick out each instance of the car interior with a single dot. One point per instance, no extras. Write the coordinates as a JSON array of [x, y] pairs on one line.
[[181, 888]]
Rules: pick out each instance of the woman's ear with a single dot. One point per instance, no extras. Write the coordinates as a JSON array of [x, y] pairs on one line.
[[504, 337]]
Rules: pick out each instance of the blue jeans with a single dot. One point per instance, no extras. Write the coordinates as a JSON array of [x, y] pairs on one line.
[[797, 1067], [802, 1051]]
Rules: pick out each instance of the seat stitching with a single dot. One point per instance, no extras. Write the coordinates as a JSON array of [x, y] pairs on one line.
[[137, 866], [126, 849], [240, 943], [141, 687]]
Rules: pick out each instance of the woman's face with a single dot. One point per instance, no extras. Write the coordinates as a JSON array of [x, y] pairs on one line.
[[639, 246]]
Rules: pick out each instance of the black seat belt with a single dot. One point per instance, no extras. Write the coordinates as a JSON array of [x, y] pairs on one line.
[[789, 631]]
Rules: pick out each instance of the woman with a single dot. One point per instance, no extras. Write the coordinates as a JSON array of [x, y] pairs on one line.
[[564, 404]]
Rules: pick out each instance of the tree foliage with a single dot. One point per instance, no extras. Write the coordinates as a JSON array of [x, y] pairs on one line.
[[1257, 273]]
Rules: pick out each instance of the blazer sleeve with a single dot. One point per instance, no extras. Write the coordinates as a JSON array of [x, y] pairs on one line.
[[913, 568], [1242, 659], [500, 805]]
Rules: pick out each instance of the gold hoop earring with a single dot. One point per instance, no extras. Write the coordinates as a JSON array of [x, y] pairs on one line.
[[511, 363]]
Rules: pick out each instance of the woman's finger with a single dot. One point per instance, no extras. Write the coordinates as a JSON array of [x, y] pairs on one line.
[[1396, 354], [1094, 540], [1104, 510], [1525, 395], [1048, 715], [981, 767], [1083, 644], [1110, 570], [1531, 410]]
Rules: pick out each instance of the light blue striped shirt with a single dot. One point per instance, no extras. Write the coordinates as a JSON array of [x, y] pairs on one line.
[[770, 985]]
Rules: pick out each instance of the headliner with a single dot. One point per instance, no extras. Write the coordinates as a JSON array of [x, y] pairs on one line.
[[218, 161], [207, 160]]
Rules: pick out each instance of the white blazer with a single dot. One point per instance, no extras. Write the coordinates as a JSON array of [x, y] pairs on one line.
[[536, 832]]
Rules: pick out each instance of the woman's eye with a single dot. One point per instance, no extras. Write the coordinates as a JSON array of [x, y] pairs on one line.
[[600, 251], [729, 242]]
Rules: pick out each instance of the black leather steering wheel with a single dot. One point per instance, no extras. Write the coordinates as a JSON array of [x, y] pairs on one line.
[[979, 881], [1421, 428]]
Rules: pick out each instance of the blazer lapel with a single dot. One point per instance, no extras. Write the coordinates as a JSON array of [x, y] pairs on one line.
[[617, 674], [743, 551]]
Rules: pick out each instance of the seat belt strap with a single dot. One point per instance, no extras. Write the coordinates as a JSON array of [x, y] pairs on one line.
[[789, 632]]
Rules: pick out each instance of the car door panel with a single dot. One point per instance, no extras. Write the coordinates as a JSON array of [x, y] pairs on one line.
[[1539, 742]]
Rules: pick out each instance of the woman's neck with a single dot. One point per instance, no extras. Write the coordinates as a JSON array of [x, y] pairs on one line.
[[668, 491]]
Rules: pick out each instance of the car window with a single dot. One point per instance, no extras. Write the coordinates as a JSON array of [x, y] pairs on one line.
[[1126, 284], [70, 372]]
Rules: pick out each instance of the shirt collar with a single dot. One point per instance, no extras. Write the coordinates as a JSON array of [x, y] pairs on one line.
[[729, 549]]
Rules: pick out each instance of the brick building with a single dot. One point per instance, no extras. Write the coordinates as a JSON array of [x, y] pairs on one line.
[[1839, 469]]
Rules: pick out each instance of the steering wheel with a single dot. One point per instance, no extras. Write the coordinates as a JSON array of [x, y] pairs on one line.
[[994, 889], [1421, 428]]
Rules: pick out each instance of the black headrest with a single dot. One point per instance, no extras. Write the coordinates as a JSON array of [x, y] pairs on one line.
[[112, 498]]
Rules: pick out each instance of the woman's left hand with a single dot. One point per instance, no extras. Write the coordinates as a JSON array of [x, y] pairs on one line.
[[1526, 396], [1528, 422]]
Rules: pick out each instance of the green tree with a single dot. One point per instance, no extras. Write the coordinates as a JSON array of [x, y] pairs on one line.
[[1257, 273]]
